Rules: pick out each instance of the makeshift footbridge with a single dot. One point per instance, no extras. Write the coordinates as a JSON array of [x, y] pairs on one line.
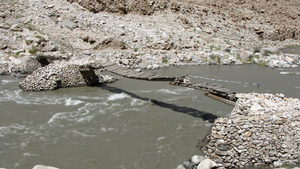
[[217, 92]]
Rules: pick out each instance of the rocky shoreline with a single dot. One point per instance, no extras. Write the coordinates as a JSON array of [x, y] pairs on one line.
[[262, 130], [168, 34]]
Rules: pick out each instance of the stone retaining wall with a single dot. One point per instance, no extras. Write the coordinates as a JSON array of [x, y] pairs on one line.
[[263, 129], [59, 75]]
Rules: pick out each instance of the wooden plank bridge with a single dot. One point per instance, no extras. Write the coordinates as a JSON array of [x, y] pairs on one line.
[[114, 68], [216, 92]]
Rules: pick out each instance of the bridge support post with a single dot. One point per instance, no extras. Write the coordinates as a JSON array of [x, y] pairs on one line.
[[89, 76]]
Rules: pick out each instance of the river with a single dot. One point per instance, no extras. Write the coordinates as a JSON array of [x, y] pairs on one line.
[[117, 125]]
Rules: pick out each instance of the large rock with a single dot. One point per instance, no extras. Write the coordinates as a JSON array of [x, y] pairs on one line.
[[196, 159], [207, 164]]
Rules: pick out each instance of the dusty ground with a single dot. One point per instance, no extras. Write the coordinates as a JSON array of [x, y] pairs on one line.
[[148, 34]]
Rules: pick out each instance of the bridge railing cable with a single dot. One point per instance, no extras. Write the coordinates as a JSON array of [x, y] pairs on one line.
[[227, 81]]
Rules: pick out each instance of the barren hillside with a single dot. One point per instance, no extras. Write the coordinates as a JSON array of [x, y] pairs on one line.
[[274, 20]]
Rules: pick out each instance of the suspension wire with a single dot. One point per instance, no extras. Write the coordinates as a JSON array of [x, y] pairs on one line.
[[228, 81]]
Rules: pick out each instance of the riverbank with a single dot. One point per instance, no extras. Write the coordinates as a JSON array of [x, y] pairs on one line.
[[262, 130]]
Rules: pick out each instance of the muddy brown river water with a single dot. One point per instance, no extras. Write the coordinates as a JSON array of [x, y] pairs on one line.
[[116, 125]]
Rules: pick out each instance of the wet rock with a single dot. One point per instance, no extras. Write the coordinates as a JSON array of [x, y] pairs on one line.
[[188, 165], [138, 70]]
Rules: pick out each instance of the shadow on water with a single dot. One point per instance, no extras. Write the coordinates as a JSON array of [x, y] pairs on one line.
[[190, 111]]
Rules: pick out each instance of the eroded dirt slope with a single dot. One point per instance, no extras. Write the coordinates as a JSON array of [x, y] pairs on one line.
[[272, 20]]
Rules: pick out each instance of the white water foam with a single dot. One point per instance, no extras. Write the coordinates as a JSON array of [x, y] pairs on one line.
[[120, 113], [7, 81], [83, 114], [13, 129], [163, 144], [287, 73], [29, 154], [167, 91], [118, 96], [78, 133], [20, 97], [284, 73], [61, 118], [90, 98], [71, 102], [177, 91], [56, 117], [138, 102], [108, 129], [145, 91]]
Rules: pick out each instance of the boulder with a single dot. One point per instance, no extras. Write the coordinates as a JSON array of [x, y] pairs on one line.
[[196, 159], [138, 70], [15, 60], [149, 67], [207, 164]]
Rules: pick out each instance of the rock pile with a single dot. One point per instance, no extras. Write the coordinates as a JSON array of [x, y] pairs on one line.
[[58, 75], [283, 61], [263, 129]]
